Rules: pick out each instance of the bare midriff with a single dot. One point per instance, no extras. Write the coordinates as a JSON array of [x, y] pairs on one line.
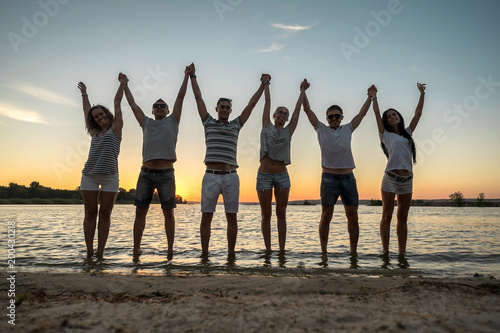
[[337, 171], [401, 172], [159, 164], [268, 165], [219, 166]]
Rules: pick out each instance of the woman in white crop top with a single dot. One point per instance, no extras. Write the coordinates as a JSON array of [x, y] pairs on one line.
[[100, 173], [274, 157], [398, 146]]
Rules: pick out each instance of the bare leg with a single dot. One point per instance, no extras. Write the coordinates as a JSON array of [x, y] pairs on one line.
[[139, 225], [107, 204], [351, 213], [404, 202], [324, 226], [281, 195], [232, 231], [169, 230], [90, 219], [385, 223], [205, 230], [265, 198]]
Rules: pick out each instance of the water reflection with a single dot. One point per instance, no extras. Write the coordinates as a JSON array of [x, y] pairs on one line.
[[354, 260], [402, 262], [386, 261], [94, 265]]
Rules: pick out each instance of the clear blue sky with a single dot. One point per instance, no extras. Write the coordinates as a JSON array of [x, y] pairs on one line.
[[341, 47]]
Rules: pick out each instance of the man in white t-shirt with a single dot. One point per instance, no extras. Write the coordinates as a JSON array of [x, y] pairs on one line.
[[337, 162]]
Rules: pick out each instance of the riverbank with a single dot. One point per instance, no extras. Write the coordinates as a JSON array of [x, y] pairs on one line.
[[80, 302]]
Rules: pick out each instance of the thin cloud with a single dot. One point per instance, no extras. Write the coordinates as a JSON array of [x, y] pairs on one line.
[[43, 94], [290, 29], [293, 28], [273, 48], [15, 113]]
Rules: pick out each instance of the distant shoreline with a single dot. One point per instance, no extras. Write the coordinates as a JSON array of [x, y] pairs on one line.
[[309, 202]]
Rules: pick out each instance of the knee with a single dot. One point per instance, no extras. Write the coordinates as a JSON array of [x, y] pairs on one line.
[[105, 213], [326, 216], [266, 215], [90, 213]]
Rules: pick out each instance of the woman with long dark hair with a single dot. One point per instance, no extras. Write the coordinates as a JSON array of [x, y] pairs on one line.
[[100, 173], [399, 147]]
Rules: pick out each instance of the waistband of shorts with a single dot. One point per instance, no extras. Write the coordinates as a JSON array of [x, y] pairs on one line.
[[220, 172], [338, 176], [148, 170], [398, 178]]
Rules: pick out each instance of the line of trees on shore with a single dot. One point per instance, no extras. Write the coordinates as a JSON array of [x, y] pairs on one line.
[[39, 194], [456, 200]]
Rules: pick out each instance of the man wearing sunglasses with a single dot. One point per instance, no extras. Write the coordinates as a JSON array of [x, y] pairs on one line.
[[337, 178], [158, 157], [221, 138]]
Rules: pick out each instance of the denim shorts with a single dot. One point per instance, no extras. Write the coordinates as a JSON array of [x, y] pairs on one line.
[[266, 181], [214, 185], [163, 182], [333, 185], [108, 183], [399, 185]]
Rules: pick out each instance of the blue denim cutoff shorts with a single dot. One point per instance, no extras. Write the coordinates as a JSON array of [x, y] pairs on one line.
[[266, 181], [163, 180], [333, 185]]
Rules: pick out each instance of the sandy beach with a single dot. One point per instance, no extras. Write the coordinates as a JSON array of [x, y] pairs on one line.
[[82, 302]]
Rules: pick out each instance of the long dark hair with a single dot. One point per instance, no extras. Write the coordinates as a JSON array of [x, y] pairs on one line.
[[90, 122], [402, 131]]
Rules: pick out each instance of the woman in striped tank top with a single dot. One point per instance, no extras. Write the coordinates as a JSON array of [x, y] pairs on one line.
[[274, 157], [100, 172]]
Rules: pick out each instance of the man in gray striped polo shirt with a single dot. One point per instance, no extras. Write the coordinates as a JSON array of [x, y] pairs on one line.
[[221, 138]]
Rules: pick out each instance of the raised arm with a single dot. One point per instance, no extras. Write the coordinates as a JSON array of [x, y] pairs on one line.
[[364, 109], [310, 114], [380, 125], [138, 113], [266, 115], [85, 99], [420, 107], [182, 92], [202, 108], [117, 124], [296, 112], [265, 79]]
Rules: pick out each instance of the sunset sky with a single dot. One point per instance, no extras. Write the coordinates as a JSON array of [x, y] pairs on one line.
[[341, 47]]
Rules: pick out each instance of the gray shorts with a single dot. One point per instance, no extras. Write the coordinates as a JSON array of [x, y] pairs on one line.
[[214, 185], [393, 183], [162, 180], [333, 186], [108, 183]]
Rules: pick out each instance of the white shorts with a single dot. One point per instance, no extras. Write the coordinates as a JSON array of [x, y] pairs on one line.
[[214, 185], [398, 184], [108, 183]]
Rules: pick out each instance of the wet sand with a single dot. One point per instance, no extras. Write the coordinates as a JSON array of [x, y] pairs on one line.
[[83, 302]]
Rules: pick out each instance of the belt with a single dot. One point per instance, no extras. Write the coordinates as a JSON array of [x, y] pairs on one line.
[[148, 170], [221, 172], [398, 178]]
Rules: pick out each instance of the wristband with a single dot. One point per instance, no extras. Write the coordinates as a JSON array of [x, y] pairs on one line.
[[84, 94], [266, 82], [192, 75], [374, 97]]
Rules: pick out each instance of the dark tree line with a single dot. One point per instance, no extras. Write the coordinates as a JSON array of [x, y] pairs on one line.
[[37, 191]]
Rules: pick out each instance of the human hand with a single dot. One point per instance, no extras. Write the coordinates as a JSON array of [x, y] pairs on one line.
[[304, 85], [122, 78], [265, 77], [189, 70], [421, 87], [372, 91], [82, 87]]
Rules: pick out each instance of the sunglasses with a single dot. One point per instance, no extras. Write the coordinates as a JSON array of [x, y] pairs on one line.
[[161, 106], [336, 116], [282, 112]]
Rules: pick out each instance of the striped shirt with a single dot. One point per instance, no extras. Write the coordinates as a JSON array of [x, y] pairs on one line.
[[276, 144], [221, 140], [103, 154]]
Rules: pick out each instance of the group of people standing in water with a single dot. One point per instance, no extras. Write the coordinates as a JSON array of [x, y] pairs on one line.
[[100, 173]]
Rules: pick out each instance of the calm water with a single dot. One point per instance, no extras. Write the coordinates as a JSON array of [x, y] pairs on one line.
[[442, 241]]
